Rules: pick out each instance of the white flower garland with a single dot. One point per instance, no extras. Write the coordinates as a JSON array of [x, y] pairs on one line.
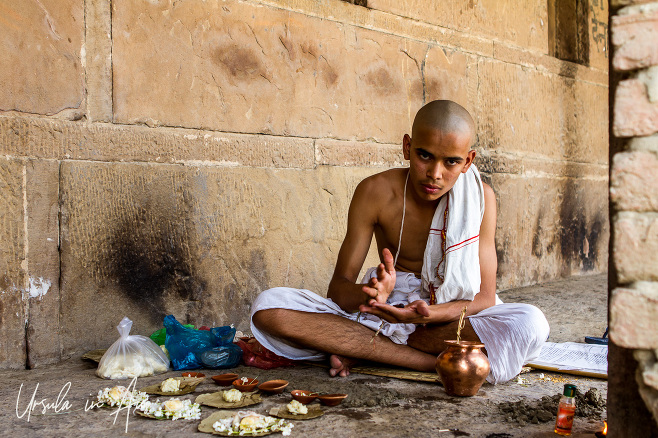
[[172, 409], [119, 396]]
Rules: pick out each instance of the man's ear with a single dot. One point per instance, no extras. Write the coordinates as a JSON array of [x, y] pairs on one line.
[[469, 160], [406, 146]]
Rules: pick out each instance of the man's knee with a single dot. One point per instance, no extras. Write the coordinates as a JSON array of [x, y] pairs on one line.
[[271, 321], [270, 318], [524, 319], [536, 319]]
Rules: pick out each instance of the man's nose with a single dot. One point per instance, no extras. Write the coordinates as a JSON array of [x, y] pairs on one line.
[[435, 171]]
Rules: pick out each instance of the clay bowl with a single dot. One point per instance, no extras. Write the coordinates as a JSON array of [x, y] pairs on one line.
[[304, 397], [273, 386], [224, 379], [245, 387], [193, 374], [331, 399]]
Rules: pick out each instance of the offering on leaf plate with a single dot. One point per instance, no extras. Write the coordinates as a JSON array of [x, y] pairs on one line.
[[296, 408], [219, 399], [244, 423], [232, 396], [170, 385], [185, 385], [172, 409], [312, 411], [120, 396]]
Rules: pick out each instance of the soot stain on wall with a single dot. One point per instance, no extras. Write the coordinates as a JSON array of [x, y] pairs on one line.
[[543, 243], [241, 62], [151, 261], [589, 254], [578, 237], [381, 81], [537, 247]]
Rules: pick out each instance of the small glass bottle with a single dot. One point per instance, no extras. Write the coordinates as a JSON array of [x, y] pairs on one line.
[[566, 410]]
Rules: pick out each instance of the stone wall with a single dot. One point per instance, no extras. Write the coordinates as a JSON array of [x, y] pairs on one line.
[[180, 157], [633, 360]]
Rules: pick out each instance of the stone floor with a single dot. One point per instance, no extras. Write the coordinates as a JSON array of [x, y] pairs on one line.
[[384, 407]]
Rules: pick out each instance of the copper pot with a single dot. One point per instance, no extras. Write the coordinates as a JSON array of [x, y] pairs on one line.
[[463, 367]]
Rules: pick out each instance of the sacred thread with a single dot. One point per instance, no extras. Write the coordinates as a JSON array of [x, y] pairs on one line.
[[566, 409]]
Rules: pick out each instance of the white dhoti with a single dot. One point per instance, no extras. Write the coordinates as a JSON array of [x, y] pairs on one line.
[[512, 333]]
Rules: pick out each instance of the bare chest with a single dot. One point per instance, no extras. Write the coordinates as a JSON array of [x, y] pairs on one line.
[[415, 232]]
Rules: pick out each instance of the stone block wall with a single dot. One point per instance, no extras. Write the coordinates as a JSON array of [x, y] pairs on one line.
[[633, 360], [180, 157]]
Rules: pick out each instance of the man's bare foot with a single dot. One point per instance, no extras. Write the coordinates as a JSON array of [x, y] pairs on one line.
[[340, 366]]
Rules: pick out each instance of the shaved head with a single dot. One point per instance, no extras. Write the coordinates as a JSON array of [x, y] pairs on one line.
[[445, 116]]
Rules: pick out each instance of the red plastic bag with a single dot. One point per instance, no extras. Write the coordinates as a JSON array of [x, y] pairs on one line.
[[255, 355]]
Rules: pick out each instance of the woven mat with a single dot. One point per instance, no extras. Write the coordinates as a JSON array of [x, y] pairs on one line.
[[396, 373], [94, 355]]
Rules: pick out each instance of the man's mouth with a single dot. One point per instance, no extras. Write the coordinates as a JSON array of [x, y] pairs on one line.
[[431, 189]]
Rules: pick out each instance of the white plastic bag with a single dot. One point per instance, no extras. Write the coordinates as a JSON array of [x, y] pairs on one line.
[[132, 356]]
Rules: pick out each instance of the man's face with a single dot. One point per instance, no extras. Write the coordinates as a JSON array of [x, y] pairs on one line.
[[435, 161]]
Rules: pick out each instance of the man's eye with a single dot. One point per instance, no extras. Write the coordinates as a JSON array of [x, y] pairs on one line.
[[423, 155]]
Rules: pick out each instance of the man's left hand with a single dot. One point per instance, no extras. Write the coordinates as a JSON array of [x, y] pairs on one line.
[[416, 312]]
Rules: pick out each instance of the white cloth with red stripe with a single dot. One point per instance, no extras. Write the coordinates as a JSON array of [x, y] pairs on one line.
[[451, 267]]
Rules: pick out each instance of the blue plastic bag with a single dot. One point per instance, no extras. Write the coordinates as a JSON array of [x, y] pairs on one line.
[[186, 345], [226, 356], [159, 336]]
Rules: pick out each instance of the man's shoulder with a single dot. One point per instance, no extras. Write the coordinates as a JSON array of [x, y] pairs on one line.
[[488, 192], [388, 179], [381, 188]]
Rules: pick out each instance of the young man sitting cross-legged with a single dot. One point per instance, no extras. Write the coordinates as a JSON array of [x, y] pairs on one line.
[[434, 224]]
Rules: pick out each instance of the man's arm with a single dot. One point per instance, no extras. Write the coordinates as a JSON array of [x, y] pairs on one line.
[[420, 312], [361, 220], [488, 259]]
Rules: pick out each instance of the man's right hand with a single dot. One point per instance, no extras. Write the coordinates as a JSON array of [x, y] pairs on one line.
[[380, 287]]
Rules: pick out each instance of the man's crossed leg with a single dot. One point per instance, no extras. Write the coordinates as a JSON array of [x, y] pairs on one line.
[[348, 342]]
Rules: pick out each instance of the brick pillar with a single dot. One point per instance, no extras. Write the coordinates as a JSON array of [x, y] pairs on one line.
[[633, 358]]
